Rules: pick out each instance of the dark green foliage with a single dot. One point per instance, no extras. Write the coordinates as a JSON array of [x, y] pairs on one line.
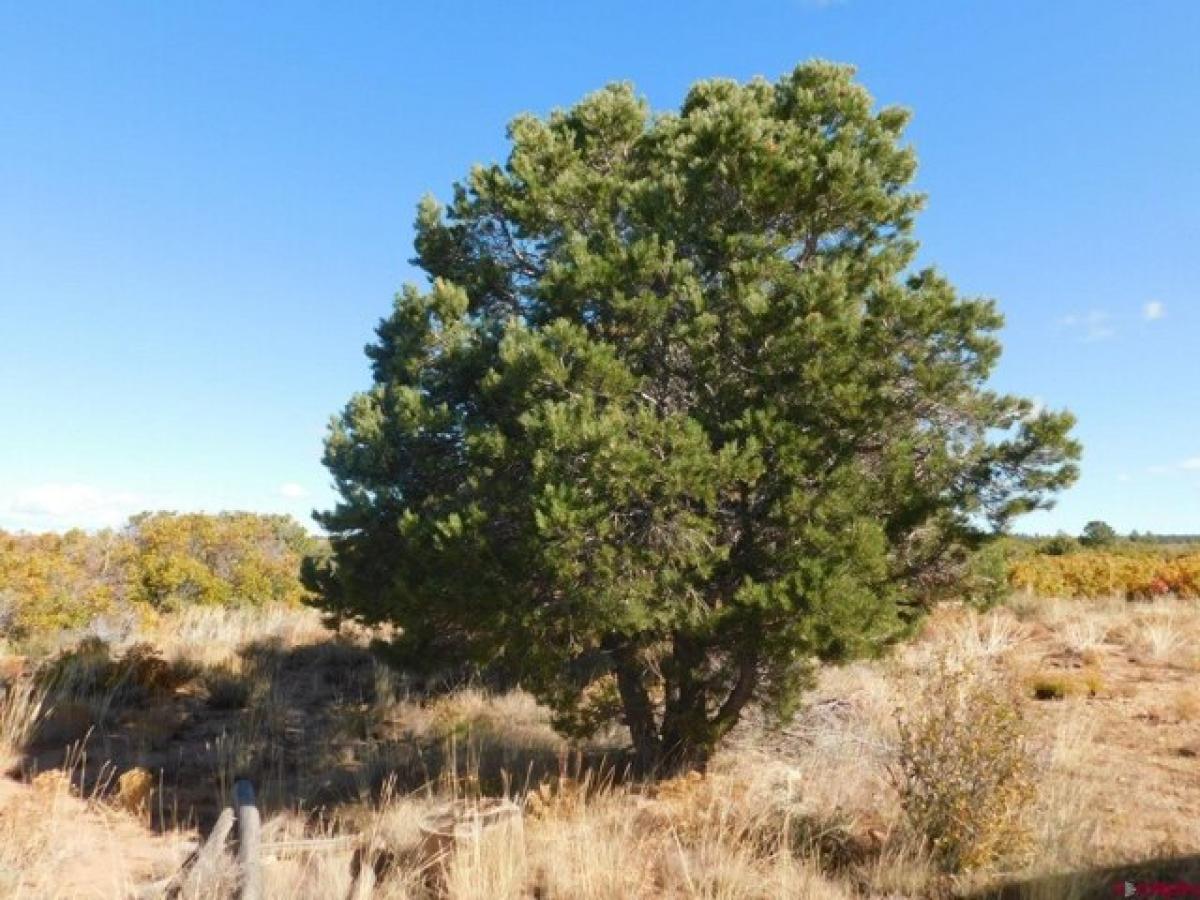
[[1059, 545], [1098, 534], [676, 412], [985, 579]]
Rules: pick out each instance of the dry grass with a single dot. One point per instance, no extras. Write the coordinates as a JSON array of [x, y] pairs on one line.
[[1164, 633], [1160, 638], [1186, 703], [22, 708], [986, 636], [809, 811], [212, 636], [1085, 633], [55, 844]]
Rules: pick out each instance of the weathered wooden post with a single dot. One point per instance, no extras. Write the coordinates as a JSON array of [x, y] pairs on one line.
[[208, 855], [249, 839]]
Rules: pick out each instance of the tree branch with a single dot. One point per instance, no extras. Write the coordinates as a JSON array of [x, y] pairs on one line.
[[739, 696]]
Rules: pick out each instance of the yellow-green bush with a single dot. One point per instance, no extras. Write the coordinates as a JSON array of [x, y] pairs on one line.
[[227, 558], [53, 581], [160, 560], [964, 770]]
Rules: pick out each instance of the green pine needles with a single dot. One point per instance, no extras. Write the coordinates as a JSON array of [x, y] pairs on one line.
[[675, 419]]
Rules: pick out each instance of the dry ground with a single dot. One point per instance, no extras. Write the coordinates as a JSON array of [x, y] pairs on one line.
[[341, 745]]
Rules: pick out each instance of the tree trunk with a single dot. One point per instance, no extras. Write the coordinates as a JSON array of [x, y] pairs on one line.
[[687, 744], [687, 735], [639, 711], [741, 694]]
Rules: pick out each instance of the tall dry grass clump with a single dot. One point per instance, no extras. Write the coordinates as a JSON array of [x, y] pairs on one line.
[[1163, 634], [213, 635], [22, 707], [740, 832], [964, 768]]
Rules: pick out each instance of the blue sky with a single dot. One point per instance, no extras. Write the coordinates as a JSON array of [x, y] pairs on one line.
[[206, 207]]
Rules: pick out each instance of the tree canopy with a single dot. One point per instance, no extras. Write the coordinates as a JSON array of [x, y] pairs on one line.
[[676, 416], [1098, 534]]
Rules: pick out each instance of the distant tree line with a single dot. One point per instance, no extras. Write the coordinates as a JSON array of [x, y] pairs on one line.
[[1099, 535], [1146, 537]]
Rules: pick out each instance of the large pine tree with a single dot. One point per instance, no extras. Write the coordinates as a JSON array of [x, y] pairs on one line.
[[675, 417]]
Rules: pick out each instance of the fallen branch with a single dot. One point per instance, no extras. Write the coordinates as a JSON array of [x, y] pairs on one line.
[[310, 845], [201, 858]]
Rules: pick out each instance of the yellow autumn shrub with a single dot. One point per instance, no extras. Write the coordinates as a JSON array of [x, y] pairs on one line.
[[1136, 575], [52, 582]]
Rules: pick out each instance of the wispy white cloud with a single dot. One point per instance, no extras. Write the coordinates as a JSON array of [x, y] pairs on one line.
[[292, 491], [1094, 325], [59, 505], [1154, 310], [1191, 464]]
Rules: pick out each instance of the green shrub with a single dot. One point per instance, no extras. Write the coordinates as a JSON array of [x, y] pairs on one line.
[[1059, 545], [1059, 686]]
